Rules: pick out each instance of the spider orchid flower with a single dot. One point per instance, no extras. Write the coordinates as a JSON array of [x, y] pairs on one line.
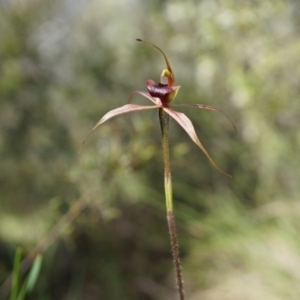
[[161, 95]]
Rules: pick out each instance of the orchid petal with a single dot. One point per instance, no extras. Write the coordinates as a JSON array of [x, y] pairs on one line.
[[209, 107], [115, 112], [187, 125], [146, 95]]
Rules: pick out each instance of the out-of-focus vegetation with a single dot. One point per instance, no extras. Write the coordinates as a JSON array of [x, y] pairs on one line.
[[21, 287], [63, 64]]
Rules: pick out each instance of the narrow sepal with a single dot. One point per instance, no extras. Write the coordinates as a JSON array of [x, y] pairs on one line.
[[187, 125], [169, 74], [208, 107], [115, 112]]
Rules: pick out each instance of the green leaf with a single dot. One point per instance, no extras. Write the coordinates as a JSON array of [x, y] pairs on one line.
[[31, 279], [34, 272], [16, 274]]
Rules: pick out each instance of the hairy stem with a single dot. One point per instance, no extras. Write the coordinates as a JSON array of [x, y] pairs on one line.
[[164, 124]]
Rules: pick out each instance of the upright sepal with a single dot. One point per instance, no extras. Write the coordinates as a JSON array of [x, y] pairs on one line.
[[166, 73]]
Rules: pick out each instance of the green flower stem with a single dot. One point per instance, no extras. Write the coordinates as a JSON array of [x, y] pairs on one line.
[[164, 124]]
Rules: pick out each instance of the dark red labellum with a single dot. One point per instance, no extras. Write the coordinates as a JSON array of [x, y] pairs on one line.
[[158, 90]]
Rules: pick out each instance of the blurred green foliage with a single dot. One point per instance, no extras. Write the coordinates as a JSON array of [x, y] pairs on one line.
[[63, 64]]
